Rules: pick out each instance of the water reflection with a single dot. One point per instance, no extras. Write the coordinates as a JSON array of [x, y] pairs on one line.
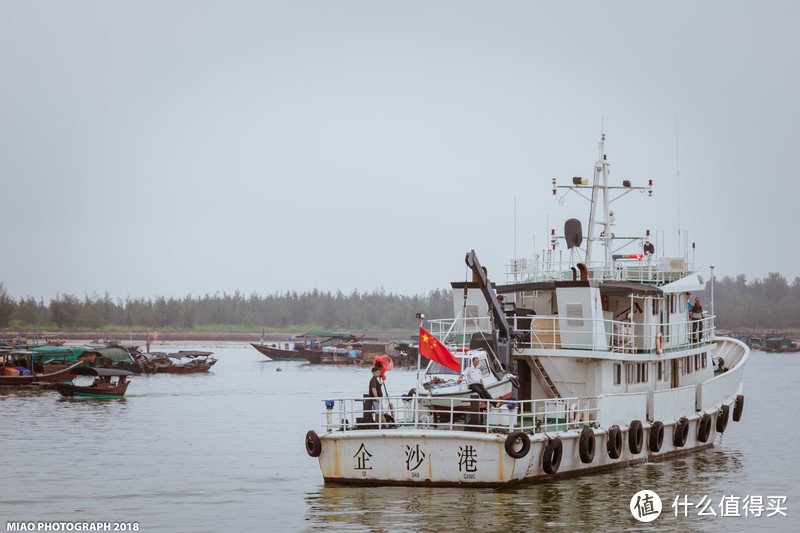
[[594, 502]]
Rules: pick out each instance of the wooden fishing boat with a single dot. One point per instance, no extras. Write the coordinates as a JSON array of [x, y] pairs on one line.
[[15, 380], [187, 362], [300, 347], [102, 387], [333, 355], [279, 354], [55, 375], [15, 370]]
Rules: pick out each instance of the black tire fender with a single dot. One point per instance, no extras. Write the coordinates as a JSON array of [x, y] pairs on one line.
[[551, 458], [704, 428], [681, 432], [511, 442], [586, 445], [614, 442], [722, 418], [635, 436], [656, 436], [313, 444], [738, 407]]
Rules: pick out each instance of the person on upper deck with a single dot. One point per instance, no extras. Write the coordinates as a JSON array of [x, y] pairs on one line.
[[475, 380], [696, 316]]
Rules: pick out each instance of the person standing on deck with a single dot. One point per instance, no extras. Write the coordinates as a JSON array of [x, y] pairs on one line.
[[696, 316], [375, 391], [475, 380]]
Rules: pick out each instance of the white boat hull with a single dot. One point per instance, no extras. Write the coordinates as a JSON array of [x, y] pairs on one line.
[[461, 458]]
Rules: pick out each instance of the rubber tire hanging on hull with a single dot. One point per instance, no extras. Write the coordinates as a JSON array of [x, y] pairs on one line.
[[722, 418], [586, 445], [738, 407], [614, 442], [704, 428], [511, 442], [656, 437], [635, 437], [551, 458], [681, 432], [313, 444]]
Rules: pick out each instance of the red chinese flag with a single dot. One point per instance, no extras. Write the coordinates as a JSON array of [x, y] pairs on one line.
[[434, 350]]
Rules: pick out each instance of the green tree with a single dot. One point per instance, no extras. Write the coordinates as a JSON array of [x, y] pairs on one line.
[[8, 306]]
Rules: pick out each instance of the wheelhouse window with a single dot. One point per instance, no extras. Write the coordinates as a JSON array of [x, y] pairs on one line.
[[438, 368], [697, 361], [617, 374], [705, 360]]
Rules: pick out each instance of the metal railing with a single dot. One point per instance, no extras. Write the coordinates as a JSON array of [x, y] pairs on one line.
[[423, 412], [638, 271], [554, 332]]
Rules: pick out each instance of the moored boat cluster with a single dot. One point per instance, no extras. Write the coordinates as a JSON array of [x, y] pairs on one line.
[[56, 366]]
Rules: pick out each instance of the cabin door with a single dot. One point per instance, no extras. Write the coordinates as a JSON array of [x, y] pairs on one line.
[[675, 380]]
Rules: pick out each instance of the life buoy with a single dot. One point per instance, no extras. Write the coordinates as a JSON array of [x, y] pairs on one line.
[[614, 442], [551, 458], [635, 436], [313, 444], [572, 415], [722, 418], [659, 343], [681, 432], [738, 407], [511, 444], [704, 428], [586, 445], [656, 436]]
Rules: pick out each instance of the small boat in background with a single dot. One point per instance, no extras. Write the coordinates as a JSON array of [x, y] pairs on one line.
[[20, 367], [103, 385], [440, 384], [295, 348], [187, 362], [276, 353], [182, 362]]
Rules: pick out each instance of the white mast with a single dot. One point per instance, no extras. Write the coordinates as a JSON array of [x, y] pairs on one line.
[[600, 183]]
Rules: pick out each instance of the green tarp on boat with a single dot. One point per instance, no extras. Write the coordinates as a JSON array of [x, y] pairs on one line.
[[72, 353]]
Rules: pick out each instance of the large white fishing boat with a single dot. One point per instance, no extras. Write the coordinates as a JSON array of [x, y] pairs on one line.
[[612, 371]]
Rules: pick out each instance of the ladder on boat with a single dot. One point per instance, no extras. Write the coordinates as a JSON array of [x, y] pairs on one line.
[[544, 378]]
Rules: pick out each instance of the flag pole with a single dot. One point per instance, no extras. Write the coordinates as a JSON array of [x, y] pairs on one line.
[[420, 319]]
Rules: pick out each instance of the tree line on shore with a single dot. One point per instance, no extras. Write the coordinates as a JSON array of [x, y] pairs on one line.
[[375, 310], [768, 303]]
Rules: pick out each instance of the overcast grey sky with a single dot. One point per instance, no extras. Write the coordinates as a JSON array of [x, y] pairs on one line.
[[187, 147]]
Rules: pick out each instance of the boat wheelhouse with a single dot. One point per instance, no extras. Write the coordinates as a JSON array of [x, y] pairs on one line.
[[612, 371]]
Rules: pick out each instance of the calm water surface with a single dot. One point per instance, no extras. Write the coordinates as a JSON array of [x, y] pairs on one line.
[[224, 452]]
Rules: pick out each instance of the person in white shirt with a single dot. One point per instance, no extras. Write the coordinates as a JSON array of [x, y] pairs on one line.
[[474, 380]]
